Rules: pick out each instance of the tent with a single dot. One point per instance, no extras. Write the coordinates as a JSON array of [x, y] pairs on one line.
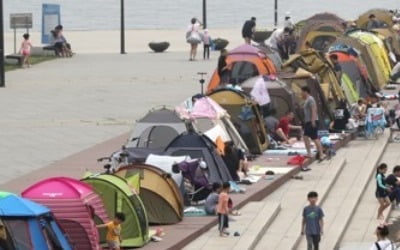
[[118, 196], [73, 204], [316, 63], [199, 146], [320, 34], [354, 69], [380, 58], [349, 88], [29, 225], [282, 97], [157, 129], [245, 116], [209, 118], [158, 191], [245, 61], [367, 58], [295, 81], [383, 15]]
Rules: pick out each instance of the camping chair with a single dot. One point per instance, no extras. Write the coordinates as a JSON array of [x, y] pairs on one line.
[[375, 122], [192, 172]]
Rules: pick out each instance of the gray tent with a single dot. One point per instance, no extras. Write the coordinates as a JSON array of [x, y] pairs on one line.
[[199, 146], [157, 129]]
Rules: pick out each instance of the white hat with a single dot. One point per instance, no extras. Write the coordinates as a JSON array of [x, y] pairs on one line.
[[287, 14], [203, 165]]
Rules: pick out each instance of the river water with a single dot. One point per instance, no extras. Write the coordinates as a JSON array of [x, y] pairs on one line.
[[175, 14]]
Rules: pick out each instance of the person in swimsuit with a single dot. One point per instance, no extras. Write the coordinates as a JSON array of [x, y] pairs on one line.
[[26, 50]]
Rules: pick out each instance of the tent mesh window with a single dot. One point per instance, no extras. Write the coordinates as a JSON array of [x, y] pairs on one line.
[[322, 43], [157, 137], [19, 229], [241, 71]]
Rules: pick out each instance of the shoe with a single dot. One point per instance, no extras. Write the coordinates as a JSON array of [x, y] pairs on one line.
[[305, 169]]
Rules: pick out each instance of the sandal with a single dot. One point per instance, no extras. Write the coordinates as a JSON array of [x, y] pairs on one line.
[[236, 213]]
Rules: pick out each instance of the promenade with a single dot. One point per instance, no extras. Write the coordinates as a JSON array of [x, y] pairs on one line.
[[61, 107]]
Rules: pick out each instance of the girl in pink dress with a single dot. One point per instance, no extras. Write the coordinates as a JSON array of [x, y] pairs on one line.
[[26, 50]]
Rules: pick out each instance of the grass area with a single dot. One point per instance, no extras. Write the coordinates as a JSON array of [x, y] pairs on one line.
[[33, 60]]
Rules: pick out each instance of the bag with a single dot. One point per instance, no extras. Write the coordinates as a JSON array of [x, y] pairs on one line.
[[193, 36]]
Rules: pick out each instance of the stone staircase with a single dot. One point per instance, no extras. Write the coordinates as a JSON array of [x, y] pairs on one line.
[[275, 222], [360, 232]]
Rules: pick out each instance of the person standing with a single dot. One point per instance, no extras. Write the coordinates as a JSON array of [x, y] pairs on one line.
[[223, 210], [288, 22], [25, 50], [312, 224], [374, 23], [311, 123], [248, 30], [393, 181], [193, 37], [336, 66], [382, 190]]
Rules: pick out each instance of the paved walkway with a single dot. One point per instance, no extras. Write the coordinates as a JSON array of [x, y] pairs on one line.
[[61, 107]]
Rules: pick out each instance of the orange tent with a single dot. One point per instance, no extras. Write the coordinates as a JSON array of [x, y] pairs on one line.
[[245, 62]]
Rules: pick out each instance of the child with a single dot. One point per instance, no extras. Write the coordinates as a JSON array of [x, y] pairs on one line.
[[382, 190], [212, 199], [207, 44], [382, 232], [113, 236], [223, 210], [312, 224], [26, 50]]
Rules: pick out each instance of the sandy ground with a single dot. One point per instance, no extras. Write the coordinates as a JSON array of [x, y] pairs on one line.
[[136, 40]]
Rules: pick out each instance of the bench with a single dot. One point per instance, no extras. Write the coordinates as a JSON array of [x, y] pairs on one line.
[[18, 57], [51, 48]]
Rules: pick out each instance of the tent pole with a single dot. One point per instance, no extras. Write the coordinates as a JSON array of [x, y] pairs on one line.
[[2, 75], [276, 13], [205, 14]]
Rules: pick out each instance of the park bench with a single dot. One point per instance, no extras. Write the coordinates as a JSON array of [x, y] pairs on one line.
[[51, 48], [18, 57]]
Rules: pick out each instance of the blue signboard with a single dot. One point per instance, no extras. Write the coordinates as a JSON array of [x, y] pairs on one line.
[[51, 17]]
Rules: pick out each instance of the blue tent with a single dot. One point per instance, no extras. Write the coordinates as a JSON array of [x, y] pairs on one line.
[[29, 225]]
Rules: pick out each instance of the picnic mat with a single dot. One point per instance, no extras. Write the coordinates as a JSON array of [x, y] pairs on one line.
[[260, 170], [195, 211], [287, 151]]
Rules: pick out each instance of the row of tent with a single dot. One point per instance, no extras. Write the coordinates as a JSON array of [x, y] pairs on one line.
[[62, 212]]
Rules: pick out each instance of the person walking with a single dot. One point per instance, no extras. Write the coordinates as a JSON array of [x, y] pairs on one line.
[[312, 224], [382, 190], [206, 44], [193, 37], [223, 210], [311, 124], [248, 30]]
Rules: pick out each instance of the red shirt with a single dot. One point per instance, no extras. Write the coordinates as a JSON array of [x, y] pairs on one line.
[[284, 125]]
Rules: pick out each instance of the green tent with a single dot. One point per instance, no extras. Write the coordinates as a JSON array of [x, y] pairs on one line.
[[349, 89], [118, 196]]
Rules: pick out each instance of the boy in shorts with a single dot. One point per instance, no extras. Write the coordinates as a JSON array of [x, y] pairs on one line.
[[113, 236]]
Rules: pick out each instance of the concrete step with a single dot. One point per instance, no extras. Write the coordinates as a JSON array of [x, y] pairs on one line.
[[284, 232], [360, 231], [255, 218], [339, 207]]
